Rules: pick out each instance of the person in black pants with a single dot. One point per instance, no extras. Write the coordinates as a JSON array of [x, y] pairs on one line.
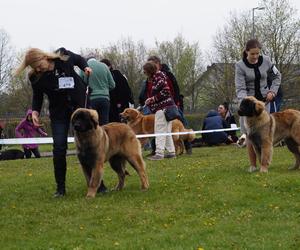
[[121, 96], [53, 74]]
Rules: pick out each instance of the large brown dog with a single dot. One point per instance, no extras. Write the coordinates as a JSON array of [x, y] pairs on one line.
[[114, 142], [144, 124], [264, 130]]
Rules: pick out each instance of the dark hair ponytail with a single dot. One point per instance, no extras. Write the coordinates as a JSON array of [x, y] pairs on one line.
[[226, 105]]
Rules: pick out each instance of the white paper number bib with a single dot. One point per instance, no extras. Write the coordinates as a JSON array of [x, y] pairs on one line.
[[66, 83]]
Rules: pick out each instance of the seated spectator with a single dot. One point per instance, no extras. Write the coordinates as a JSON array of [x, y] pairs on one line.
[[229, 119], [214, 121], [26, 129]]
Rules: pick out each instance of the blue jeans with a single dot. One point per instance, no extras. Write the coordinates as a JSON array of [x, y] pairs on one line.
[[146, 110], [276, 104], [60, 144], [101, 105]]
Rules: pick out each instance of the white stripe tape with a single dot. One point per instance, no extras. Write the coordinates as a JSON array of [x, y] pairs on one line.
[[185, 133], [49, 140]]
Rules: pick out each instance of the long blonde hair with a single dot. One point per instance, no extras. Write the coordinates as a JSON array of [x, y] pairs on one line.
[[33, 56]]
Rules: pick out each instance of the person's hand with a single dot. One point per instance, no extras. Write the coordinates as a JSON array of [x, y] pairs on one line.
[[270, 96], [35, 119], [88, 71], [148, 101]]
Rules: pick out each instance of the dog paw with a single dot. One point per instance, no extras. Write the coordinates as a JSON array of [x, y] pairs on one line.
[[263, 170], [91, 194], [118, 188], [252, 169], [145, 187], [294, 167]]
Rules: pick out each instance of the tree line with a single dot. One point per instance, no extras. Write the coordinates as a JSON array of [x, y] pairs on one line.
[[206, 78]]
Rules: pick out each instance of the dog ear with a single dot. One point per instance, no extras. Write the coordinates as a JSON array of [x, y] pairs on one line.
[[135, 113], [259, 107], [94, 118], [74, 115]]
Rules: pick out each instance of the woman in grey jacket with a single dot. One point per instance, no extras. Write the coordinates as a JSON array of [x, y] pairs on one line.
[[251, 74]]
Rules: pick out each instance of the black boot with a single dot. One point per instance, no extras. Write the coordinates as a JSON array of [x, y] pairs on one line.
[[60, 167]]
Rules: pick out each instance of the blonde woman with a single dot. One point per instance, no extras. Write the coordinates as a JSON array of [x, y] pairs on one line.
[[53, 74]]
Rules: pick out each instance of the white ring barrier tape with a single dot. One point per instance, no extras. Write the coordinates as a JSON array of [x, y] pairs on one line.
[[49, 140]]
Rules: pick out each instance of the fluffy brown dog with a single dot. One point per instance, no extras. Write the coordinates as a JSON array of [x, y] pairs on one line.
[[144, 124], [114, 142], [265, 130]]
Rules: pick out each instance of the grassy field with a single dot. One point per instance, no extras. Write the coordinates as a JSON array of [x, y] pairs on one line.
[[203, 201]]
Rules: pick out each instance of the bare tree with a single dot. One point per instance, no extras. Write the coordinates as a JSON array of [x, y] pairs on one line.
[[6, 59], [18, 91], [279, 31], [126, 56], [186, 62]]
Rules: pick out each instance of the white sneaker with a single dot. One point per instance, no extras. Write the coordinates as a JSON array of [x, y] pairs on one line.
[[241, 142]]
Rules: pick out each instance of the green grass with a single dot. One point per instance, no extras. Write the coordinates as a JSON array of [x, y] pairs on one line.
[[206, 200], [42, 147]]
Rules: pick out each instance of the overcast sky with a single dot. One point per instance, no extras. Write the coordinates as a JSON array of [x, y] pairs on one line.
[[78, 24]]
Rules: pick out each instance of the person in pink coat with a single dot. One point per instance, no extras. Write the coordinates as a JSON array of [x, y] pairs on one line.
[[26, 129]]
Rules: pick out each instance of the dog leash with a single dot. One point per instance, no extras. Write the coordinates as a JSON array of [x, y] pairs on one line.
[[87, 91]]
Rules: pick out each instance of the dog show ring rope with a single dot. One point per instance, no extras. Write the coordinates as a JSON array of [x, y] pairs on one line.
[[49, 140]]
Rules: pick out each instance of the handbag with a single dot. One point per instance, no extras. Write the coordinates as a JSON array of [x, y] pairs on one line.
[[171, 113]]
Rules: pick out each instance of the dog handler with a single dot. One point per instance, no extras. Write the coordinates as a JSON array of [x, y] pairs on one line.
[[251, 74], [160, 99], [53, 74]]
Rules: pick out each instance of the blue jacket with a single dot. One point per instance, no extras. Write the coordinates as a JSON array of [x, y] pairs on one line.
[[214, 121]]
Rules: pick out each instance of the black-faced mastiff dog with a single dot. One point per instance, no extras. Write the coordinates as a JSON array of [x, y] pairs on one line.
[[114, 142], [264, 130]]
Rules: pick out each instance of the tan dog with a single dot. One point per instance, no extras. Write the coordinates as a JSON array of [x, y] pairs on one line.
[[144, 124], [114, 142], [265, 130]]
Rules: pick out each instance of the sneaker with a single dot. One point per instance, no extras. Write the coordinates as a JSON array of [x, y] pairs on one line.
[[170, 155], [59, 194], [241, 142], [155, 157]]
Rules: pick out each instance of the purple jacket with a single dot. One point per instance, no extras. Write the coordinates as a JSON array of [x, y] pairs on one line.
[[26, 129]]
